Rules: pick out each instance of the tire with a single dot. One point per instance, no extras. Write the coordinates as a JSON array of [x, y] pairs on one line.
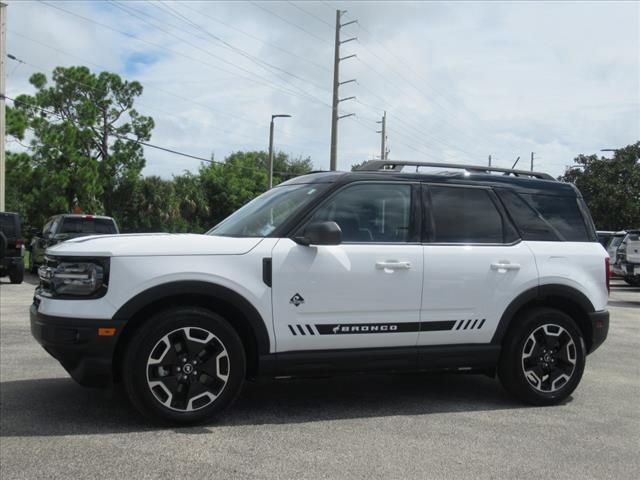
[[547, 345], [33, 268], [633, 280], [16, 275], [154, 370]]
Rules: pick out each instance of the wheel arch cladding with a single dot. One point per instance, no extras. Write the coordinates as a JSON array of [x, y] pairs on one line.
[[236, 309], [562, 297]]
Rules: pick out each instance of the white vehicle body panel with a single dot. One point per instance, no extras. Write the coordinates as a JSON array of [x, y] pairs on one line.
[[464, 284], [579, 265], [154, 244], [342, 286], [132, 275]]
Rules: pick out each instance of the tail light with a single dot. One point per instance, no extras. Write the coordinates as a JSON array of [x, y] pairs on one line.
[[19, 243], [607, 273]]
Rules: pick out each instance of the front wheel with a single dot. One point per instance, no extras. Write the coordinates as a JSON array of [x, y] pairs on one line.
[[543, 357], [184, 366]]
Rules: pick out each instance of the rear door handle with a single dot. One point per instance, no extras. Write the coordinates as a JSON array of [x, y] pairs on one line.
[[504, 266], [393, 265]]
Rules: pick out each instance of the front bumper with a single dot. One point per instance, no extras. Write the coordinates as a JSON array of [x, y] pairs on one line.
[[599, 328], [78, 346]]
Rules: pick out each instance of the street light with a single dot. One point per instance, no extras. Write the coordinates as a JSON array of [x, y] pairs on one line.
[[281, 115]]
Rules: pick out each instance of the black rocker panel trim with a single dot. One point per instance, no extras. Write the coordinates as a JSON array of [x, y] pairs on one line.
[[209, 290], [431, 357], [539, 293]]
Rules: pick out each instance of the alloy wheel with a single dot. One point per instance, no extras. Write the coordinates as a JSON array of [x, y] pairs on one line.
[[188, 369], [549, 358]]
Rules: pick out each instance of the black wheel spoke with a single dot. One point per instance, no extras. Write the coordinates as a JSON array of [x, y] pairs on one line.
[[551, 360], [187, 369]]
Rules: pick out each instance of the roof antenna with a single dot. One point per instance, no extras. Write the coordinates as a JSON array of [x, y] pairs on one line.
[[515, 163]]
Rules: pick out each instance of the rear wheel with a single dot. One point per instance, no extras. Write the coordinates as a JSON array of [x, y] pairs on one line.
[[16, 275], [543, 357], [184, 366]]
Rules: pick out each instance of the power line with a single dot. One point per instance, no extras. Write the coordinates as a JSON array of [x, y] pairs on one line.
[[125, 137], [261, 7], [311, 14], [216, 68]]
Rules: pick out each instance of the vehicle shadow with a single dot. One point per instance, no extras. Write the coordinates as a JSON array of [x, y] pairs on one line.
[[58, 406], [28, 278]]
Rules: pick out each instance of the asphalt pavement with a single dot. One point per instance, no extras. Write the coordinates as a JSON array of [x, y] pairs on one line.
[[363, 427]]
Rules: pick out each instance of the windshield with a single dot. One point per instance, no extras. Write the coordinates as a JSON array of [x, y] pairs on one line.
[[87, 225], [262, 215]]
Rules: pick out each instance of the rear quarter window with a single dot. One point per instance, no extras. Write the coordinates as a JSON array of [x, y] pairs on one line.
[[563, 214]]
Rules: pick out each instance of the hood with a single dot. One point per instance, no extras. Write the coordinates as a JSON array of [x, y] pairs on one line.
[[150, 244]]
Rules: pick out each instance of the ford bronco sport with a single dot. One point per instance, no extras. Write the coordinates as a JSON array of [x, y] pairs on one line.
[[469, 269]]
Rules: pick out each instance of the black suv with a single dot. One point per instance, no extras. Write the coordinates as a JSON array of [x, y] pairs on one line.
[[11, 247], [63, 227]]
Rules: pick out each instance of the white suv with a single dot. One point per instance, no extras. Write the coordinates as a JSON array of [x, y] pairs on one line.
[[485, 270]]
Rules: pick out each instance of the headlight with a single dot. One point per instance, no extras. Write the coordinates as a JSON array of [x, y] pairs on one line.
[[65, 277]]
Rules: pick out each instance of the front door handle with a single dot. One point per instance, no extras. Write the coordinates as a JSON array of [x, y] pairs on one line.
[[504, 266], [393, 265]]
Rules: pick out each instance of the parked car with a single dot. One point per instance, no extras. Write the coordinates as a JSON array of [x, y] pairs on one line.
[[612, 247], [338, 272], [11, 247], [63, 227], [627, 263], [604, 236]]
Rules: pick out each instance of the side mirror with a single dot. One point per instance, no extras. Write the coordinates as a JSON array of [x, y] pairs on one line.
[[320, 233], [35, 231]]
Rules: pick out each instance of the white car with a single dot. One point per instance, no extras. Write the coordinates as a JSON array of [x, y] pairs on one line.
[[469, 269], [627, 263]]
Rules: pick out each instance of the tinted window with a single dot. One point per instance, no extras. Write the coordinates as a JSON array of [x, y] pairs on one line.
[[529, 222], [563, 214], [466, 215], [262, 215], [368, 213], [8, 225], [87, 225]]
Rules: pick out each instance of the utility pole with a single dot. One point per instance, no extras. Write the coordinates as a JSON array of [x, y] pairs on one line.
[[532, 155], [489, 160], [270, 166], [3, 55], [384, 153], [336, 85]]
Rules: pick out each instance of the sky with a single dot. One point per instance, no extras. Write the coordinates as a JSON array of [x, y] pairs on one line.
[[459, 80]]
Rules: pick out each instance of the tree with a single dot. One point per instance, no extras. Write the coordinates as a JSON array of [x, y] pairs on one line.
[[81, 125], [611, 188], [242, 177]]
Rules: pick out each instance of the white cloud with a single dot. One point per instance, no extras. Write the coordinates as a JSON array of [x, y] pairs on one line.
[[473, 79]]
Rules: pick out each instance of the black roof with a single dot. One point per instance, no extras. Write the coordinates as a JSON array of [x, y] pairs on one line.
[[458, 176]]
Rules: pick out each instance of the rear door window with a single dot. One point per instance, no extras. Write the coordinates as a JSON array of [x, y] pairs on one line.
[[467, 215]]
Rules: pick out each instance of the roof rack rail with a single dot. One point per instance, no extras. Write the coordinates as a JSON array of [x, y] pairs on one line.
[[396, 166]]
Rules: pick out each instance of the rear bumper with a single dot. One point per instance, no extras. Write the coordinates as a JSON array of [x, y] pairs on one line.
[[599, 328], [8, 263], [76, 344]]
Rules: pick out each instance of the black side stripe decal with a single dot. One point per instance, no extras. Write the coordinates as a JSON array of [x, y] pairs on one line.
[[403, 327]]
